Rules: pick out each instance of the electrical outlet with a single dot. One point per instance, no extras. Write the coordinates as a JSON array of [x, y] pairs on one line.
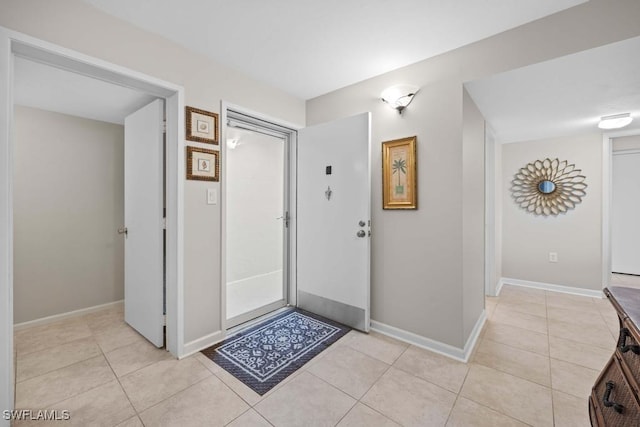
[[553, 256]]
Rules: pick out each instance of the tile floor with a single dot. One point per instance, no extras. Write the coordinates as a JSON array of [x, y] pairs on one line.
[[538, 356]]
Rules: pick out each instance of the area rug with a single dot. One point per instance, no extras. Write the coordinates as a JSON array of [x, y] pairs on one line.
[[266, 354]]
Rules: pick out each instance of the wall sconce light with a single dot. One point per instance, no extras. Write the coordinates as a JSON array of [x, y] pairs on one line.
[[616, 121], [399, 96]]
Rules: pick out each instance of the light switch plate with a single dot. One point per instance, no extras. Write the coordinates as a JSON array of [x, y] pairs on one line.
[[212, 196]]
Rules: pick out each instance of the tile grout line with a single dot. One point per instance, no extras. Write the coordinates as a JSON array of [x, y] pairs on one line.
[[553, 411]]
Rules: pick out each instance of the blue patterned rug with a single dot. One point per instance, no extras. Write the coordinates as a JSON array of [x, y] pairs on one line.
[[265, 354]]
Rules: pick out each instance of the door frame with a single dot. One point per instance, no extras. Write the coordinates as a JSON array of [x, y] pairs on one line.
[[225, 107], [13, 43], [607, 182]]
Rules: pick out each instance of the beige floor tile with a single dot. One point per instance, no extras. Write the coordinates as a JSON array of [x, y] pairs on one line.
[[154, 383], [536, 309], [130, 358], [522, 295], [515, 397], [48, 389], [377, 345], [440, 370], [576, 317], [524, 364], [208, 402], [46, 336], [572, 379], [578, 353], [570, 411], [250, 419], [349, 370], [513, 336], [40, 362], [568, 301], [467, 413], [117, 336], [212, 366], [305, 400], [409, 400], [595, 335], [131, 422], [363, 416], [104, 319], [106, 406], [503, 315]]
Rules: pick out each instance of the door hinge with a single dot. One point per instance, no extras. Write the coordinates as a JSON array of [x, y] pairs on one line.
[[164, 223], [286, 219], [164, 320], [164, 126]]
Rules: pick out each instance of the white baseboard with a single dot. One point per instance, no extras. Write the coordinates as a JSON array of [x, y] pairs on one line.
[[554, 288], [68, 315], [499, 287], [195, 346], [456, 353]]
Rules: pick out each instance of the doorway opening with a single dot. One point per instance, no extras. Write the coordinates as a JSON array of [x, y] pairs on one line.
[[257, 211]]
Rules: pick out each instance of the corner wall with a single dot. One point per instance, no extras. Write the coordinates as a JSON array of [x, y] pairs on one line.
[[575, 236], [76, 25], [418, 257], [68, 204]]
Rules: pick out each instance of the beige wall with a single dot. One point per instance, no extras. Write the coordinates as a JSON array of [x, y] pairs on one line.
[[68, 204], [77, 25], [418, 257], [576, 236], [473, 217]]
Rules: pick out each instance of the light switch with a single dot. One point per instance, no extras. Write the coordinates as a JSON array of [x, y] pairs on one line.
[[212, 196]]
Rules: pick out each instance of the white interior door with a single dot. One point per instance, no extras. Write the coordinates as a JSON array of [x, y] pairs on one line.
[[143, 201], [625, 228], [333, 220]]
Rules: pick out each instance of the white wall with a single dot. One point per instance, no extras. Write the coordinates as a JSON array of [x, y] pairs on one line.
[[417, 279], [79, 26], [575, 236], [255, 199], [68, 204]]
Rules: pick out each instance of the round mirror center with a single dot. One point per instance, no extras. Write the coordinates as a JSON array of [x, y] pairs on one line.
[[546, 186]]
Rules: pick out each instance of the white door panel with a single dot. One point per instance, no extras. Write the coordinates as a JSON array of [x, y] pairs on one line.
[[333, 266], [625, 228], [143, 197]]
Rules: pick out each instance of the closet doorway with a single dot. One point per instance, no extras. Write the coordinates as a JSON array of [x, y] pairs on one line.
[[257, 218]]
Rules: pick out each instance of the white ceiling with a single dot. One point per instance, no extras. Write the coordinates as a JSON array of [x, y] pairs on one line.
[[42, 86], [563, 96], [308, 48]]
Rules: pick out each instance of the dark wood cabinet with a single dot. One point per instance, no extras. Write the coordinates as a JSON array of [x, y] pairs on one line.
[[615, 397]]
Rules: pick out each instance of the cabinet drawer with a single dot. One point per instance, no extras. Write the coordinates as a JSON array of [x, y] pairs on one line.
[[616, 402], [629, 349]]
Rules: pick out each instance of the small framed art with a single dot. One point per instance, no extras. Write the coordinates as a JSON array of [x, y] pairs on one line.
[[203, 165], [201, 126], [399, 175]]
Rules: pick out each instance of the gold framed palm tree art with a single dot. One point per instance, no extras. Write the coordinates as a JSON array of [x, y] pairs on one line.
[[399, 175]]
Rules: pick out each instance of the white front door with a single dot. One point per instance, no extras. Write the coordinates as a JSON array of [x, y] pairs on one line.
[[333, 220], [143, 201]]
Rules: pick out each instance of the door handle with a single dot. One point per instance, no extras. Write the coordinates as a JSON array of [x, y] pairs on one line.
[[124, 231], [361, 233]]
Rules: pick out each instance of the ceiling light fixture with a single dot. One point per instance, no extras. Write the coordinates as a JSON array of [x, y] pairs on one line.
[[616, 121], [399, 96]]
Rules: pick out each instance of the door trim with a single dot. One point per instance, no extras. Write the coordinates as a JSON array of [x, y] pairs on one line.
[[607, 182], [225, 108], [14, 43]]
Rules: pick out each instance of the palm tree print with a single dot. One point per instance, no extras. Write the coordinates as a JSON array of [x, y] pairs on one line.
[[399, 166]]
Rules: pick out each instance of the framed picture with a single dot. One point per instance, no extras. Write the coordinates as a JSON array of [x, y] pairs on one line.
[[203, 165], [202, 126], [399, 179]]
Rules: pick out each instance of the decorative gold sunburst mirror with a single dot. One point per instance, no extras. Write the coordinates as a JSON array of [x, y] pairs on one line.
[[548, 187]]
